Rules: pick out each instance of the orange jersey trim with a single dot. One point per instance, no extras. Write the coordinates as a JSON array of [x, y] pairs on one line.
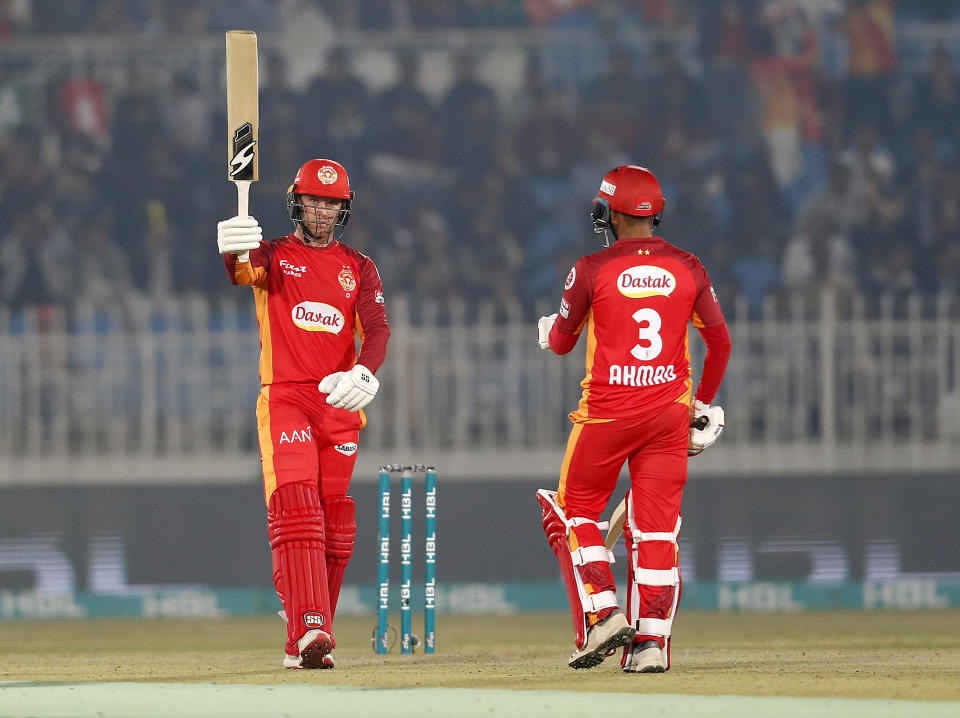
[[361, 335], [583, 408], [260, 298], [687, 395], [358, 327], [246, 273], [266, 444], [565, 466]]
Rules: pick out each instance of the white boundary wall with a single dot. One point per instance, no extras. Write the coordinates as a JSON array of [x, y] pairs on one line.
[[161, 395]]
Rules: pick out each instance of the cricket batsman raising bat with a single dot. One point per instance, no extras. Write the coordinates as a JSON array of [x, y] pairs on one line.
[[633, 300], [314, 297]]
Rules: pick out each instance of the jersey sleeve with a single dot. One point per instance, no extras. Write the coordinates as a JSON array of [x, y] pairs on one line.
[[706, 307], [574, 307], [708, 318], [253, 272], [371, 320], [715, 361]]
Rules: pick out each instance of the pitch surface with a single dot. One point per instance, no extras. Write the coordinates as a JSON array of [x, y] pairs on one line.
[[889, 663]]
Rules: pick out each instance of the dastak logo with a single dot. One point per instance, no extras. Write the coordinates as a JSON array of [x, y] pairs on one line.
[[646, 281], [317, 317]]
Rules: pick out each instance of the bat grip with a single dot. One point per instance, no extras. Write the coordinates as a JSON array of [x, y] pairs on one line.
[[243, 198], [243, 209]]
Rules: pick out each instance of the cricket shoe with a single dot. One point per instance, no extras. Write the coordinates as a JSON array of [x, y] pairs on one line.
[[315, 645], [606, 636], [294, 661], [646, 657]]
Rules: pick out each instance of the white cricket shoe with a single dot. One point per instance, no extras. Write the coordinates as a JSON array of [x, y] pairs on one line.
[[315, 646], [646, 657], [294, 661], [606, 636]]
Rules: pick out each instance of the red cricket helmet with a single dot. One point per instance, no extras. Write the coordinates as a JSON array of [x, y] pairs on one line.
[[632, 190], [320, 178], [628, 189]]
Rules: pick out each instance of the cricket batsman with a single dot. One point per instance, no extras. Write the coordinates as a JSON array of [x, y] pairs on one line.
[[314, 295], [633, 300]]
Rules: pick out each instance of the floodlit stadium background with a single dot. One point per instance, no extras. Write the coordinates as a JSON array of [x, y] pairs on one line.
[[810, 155]]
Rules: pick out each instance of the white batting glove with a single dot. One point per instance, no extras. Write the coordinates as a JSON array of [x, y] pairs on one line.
[[238, 235], [329, 382], [705, 427], [351, 390], [543, 330]]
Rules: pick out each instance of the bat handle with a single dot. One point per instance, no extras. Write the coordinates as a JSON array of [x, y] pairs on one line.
[[243, 209], [243, 198]]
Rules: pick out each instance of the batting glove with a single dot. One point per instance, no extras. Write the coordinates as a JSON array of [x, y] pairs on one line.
[[351, 390], [706, 425], [238, 235], [543, 330]]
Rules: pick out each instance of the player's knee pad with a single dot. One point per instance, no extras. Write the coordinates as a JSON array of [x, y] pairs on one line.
[[341, 526], [557, 528], [295, 514], [654, 591]]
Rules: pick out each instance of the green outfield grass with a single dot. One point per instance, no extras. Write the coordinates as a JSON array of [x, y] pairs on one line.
[[885, 655]]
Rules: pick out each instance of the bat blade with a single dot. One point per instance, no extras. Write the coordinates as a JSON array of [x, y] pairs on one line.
[[243, 113], [617, 518]]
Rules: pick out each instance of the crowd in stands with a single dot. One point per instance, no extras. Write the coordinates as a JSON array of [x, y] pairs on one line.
[[783, 177]]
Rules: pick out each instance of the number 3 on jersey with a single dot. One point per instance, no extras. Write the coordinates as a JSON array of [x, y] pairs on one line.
[[649, 332]]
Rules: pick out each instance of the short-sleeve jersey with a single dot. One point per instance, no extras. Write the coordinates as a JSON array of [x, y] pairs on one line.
[[635, 300], [311, 303]]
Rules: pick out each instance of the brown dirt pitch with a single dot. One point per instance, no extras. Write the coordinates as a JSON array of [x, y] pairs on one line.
[[885, 655]]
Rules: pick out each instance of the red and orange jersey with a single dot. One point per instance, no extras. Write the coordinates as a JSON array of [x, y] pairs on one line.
[[311, 304], [635, 300], [871, 36]]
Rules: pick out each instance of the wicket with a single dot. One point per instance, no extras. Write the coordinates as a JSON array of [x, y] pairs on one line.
[[381, 639]]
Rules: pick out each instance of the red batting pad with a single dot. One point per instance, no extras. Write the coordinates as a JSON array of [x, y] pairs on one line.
[[341, 532], [556, 533], [296, 530], [596, 573]]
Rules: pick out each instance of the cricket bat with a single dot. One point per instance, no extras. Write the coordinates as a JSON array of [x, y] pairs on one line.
[[615, 530], [619, 514], [243, 115]]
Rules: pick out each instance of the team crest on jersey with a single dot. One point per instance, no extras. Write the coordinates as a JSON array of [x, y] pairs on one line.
[[646, 281], [327, 174], [317, 317], [347, 280], [571, 278]]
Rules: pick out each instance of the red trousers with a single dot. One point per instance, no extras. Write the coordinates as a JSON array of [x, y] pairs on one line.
[[308, 450], [304, 439], [655, 450]]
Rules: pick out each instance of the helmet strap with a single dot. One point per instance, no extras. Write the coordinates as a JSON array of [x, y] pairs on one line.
[[607, 232]]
